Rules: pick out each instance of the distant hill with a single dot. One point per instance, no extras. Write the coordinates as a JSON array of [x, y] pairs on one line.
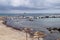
[[19, 8]]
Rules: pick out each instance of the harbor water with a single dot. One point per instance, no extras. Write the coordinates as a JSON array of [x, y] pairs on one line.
[[37, 24]]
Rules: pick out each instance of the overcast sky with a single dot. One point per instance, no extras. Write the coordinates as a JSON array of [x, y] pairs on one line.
[[49, 6]]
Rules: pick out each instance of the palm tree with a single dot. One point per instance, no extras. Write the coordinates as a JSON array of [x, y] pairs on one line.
[[38, 35]]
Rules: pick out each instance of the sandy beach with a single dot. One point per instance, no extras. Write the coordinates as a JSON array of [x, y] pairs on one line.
[[8, 33]]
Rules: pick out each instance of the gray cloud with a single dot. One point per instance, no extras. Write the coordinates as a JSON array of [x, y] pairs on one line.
[[46, 4]]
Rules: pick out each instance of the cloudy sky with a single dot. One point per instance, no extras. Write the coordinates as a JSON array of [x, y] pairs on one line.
[[48, 6]]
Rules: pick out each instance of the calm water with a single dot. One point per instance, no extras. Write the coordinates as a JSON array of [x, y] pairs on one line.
[[45, 22], [39, 24], [27, 14]]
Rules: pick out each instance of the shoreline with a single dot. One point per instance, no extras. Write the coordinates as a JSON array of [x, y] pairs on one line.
[[8, 33], [22, 34]]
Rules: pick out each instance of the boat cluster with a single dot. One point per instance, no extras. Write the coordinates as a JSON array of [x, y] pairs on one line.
[[43, 16], [34, 17]]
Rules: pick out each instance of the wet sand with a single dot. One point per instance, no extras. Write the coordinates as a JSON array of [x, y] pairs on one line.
[[8, 33]]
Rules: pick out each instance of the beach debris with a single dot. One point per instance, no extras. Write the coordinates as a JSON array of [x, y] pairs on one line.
[[39, 35], [27, 30]]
